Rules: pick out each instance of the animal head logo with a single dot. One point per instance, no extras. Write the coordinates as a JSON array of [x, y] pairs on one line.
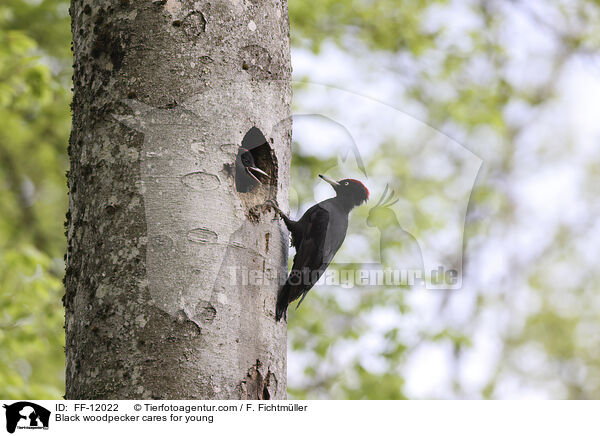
[[25, 414], [398, 248], [381, 215]]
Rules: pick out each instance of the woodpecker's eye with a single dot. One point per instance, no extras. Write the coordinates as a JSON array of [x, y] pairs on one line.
[[346, 183]]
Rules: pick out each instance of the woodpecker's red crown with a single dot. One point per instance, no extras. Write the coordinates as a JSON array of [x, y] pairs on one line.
[[350, 191], [353, 190], [361, 184]]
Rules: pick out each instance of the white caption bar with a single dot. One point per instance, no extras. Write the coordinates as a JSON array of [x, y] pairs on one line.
[[305, 418]]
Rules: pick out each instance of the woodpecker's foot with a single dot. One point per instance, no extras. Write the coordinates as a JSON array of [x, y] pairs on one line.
[[272, 204]]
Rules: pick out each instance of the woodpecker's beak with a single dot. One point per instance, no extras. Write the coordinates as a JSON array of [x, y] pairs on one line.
[[256, 170], [330, 181]]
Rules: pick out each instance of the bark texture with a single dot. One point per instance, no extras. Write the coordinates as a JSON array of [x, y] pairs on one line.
[[172, 274]]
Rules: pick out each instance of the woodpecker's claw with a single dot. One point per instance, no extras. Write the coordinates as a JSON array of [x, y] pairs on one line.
[[273, 205]]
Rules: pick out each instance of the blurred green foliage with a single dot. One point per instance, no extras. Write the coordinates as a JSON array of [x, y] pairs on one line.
[[34, 128], [31, 319], [378, 25], [431, 57], [463, 68]]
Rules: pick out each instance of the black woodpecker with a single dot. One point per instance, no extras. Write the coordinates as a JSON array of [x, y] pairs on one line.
[[246, 171], [317, 236]]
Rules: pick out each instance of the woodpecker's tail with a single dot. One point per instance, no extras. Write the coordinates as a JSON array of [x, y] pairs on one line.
[[282, 302]]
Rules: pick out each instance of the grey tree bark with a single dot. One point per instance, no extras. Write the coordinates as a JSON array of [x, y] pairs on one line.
[[172, 273]]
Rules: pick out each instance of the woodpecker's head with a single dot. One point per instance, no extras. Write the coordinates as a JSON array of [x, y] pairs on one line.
[[246, 161], [349, 191], [246, 172]]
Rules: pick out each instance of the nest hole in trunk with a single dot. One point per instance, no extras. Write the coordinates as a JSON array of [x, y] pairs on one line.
[[255, 157]]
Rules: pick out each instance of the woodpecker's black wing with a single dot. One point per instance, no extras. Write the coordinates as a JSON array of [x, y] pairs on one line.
[[309, 257], [323, 231]]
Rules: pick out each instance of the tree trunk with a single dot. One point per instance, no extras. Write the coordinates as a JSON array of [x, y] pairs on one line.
[[172, 272]]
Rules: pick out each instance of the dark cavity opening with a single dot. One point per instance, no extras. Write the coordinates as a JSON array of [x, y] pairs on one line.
[[255, 164], [266, 395]]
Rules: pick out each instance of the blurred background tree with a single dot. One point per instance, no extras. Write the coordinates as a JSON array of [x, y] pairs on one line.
[[513, 81]]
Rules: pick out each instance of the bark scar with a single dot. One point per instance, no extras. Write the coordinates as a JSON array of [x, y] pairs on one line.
[[256, 386]]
